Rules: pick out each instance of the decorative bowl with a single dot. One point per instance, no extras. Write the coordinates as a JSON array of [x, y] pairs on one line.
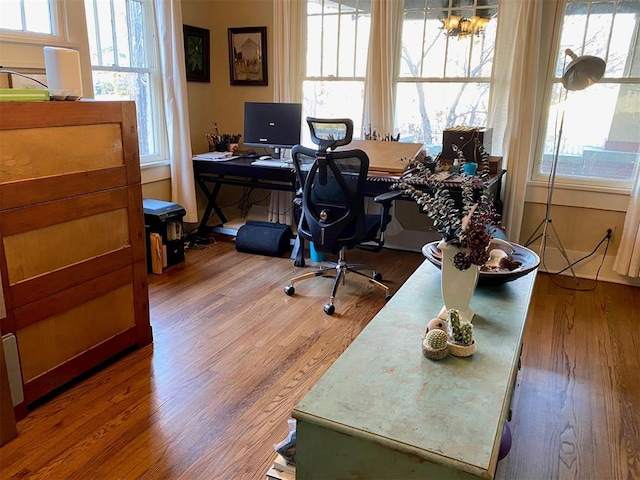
[[490, 274]]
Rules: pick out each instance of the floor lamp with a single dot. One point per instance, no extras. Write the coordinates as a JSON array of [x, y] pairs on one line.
[[581, 73]]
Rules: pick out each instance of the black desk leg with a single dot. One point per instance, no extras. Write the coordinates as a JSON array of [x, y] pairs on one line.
[[211, 205]]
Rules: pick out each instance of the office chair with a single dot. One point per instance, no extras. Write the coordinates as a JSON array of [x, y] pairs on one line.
[[331, 200]]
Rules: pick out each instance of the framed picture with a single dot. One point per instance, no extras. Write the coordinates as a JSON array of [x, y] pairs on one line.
[[196, 53], [248, 56]]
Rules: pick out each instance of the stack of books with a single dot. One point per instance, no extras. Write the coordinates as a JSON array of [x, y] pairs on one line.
[[281, 469]]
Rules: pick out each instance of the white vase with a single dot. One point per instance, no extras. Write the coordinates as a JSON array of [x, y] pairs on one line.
[[457, 285]]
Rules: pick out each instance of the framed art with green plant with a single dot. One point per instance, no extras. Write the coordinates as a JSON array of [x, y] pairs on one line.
[[196, 53]]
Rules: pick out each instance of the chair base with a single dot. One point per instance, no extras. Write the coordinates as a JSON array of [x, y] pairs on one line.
[[340, 269]]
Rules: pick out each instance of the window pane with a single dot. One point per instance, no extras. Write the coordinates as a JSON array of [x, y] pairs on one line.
[[600, 136], [332, 99], [424, 110], [10, 15], [337, 38], [105, 34], [37, 16], [129, 86]]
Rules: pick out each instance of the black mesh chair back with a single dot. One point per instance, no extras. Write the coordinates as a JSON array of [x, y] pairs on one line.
[[331, 199]]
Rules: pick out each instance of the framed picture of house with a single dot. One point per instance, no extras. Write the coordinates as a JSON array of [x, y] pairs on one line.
[[248, 56], [196, 53]]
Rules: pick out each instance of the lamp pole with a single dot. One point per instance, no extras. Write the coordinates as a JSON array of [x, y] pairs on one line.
[[581, 73]]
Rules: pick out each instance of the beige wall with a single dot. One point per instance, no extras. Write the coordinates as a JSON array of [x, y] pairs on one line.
[[218, 101]]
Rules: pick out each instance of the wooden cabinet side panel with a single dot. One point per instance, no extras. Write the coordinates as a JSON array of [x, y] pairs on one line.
[[54, 114], [43, 152], [43, 250], [60, 337], [23, 193]]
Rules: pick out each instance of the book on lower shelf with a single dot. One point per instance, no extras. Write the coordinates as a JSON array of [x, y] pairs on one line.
[[274, 474], [281, 469]]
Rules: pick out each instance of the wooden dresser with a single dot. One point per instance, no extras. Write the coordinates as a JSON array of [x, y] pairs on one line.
[[72, 244]]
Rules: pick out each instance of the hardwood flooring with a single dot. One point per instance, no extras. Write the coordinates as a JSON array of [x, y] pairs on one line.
[[232, 355]]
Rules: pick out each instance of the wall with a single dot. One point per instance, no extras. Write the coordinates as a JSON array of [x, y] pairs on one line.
[[220, 102]]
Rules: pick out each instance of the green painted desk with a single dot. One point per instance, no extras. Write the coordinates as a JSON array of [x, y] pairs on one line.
[[384, 411]]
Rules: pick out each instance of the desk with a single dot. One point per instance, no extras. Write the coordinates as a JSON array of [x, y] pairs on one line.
[[211, 175], [384, 411]]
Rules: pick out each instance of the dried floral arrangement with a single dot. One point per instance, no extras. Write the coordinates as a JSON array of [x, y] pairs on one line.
[[466, 226]]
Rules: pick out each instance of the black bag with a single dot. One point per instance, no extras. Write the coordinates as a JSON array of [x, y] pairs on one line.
[[264, 238]]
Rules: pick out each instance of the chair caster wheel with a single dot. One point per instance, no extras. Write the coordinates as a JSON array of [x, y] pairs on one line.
[[299, 262], [289, 290], [377, 276], [329, 308]]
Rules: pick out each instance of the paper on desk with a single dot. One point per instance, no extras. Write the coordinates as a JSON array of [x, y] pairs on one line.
[[215, 156]]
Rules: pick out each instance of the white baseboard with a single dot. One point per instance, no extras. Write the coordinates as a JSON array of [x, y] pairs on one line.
[[553, 261]]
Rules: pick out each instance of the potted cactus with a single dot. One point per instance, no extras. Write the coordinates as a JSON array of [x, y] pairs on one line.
[[461, 342], [434, 344]]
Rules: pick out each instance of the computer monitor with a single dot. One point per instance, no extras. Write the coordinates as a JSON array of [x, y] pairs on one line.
[[272, 125]]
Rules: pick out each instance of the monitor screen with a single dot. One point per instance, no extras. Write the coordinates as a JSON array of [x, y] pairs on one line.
[[272, 125]]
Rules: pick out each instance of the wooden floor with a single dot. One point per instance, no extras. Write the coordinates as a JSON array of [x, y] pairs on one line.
[[232, 355]]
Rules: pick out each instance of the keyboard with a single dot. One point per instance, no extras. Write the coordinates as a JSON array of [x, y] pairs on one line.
[[273, 163]]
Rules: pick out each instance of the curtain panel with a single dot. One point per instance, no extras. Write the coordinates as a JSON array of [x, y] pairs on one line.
[[382, 64], [627, 260], [288, 31], [172, 66]]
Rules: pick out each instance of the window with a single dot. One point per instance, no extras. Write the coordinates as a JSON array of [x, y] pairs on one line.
[[600, 142], [124, 63], [337, 46], [28, 16], [444, 76]]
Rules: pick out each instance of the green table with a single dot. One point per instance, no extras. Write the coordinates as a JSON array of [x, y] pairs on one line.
[[384, 411]]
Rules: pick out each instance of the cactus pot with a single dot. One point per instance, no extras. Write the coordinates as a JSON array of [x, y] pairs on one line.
[[459, 350]]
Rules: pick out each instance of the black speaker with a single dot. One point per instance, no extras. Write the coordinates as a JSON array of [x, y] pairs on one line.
[[264, 238]]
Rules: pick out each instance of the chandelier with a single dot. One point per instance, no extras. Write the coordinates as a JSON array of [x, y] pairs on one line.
[[457, 26]]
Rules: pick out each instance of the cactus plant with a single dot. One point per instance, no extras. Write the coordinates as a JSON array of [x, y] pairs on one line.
[[436, 339], [461, 331], [435, 344], [461, 342]]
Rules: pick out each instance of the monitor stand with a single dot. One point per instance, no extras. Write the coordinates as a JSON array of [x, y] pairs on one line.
[[278, 153]]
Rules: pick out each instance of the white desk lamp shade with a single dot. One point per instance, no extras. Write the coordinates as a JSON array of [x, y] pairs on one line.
[[583, 71], [63, 72]]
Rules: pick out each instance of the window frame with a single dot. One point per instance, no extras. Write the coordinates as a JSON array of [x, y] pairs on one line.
[[597, 192], [325, 76], [158, 126]]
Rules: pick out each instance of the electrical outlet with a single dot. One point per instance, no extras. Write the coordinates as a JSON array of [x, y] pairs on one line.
[[612, 230]]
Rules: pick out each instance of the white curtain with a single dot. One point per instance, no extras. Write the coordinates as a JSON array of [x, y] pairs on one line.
[[172, 66], [288, 30], [628, 258], [382, 63], [524, 32]]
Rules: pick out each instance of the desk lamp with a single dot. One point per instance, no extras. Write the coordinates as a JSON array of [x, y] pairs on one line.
[[581, 73]]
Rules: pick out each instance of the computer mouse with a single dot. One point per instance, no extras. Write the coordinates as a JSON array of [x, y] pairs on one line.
[[265, 157]]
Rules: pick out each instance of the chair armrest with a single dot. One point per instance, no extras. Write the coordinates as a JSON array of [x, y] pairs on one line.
[[387, 197]]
